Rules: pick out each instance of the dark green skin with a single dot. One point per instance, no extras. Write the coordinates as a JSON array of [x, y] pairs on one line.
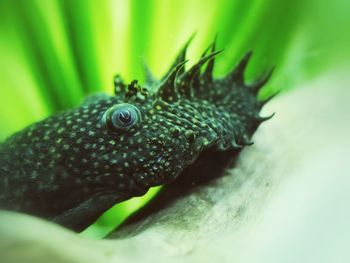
[[71, 167]]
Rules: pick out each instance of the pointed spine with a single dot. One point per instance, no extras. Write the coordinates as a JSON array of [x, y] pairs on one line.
[[208, 73], [262, 119], [256, 86], [167, 89], [263, 102], [237, 75], [206, 76], [184, 84], [180, 57]]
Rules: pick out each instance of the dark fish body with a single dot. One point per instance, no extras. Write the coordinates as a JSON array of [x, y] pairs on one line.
[[71, 167]]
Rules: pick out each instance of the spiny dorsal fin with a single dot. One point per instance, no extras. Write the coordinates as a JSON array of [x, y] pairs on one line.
[[237, 75], [263, 102], [208, 73], [184, 82], [255, 87], [167, 89], [200, 79], [180, 57]]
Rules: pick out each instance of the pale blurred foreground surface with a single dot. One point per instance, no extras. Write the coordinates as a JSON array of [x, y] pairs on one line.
[[287, 199]]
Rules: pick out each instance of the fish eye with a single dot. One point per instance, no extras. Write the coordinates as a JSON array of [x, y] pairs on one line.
[[121, 117]]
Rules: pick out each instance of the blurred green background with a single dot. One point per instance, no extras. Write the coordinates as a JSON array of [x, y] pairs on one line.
[[55, 52]]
